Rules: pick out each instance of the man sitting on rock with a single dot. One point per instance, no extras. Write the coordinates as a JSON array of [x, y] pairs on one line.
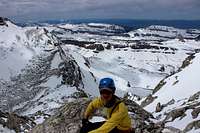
[[118, 120]]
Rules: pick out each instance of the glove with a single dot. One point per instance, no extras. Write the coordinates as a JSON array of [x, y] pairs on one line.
[[85, 121]]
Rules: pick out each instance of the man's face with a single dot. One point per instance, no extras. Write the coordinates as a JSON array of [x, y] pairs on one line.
[[106, 95]]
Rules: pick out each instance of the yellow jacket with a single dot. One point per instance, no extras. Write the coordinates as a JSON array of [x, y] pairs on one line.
[[119, 118]]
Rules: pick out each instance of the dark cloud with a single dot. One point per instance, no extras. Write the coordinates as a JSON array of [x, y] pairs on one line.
[[75, 9]]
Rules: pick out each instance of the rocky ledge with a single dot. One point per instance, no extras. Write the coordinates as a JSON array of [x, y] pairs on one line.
[[68, 118]]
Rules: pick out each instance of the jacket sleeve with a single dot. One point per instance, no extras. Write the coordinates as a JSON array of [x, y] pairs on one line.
[[95, 104], [113, 121]]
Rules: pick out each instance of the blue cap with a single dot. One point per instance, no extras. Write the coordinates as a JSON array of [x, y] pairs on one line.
[[107, 84]]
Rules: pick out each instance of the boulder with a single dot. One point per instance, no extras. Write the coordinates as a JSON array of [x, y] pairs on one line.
[[99, 47], [159, 107]]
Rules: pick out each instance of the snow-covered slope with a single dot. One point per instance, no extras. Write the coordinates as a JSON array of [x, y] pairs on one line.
[[5, 130], [179, 98], [32, 68], [93, 28], [162, 33], [18, 45], [136, 66]]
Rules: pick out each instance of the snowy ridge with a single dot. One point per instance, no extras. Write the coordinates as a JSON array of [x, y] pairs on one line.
[[162, 33], [31, 74], [92, 28], [179, 88], [20, 46]]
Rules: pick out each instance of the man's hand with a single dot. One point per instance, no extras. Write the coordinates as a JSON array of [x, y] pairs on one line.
[[85, 121]]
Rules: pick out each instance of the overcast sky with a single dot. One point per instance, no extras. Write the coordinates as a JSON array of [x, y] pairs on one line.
[[33, 10]]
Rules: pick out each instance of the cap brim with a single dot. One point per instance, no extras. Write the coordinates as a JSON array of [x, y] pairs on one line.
[[108, 89]]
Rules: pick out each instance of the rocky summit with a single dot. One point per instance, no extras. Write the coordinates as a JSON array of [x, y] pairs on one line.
[[68, 118]]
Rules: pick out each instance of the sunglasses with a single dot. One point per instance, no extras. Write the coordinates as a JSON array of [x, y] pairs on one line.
[[105, 92]]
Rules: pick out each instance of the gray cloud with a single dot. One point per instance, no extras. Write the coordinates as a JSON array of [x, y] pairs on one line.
[[75, 9]]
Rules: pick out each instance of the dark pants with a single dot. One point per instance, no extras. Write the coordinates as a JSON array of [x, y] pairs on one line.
[[92, 126]]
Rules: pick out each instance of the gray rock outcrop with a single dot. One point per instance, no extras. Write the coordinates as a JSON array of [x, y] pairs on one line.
[[68, 118]]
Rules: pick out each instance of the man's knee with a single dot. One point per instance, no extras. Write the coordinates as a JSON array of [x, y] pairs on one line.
[[90, 126]]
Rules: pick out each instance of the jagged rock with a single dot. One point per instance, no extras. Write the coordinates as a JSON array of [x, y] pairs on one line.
[[128, 84], [136, 34], [190, 126], [194, 97], [197, 38], [99, 47], [169, 103], [87, 62], [162, 68], [135, 108], [179, 114], [91, 46], [95, 51], [159, 107], [171, 130], [117, 46], [79, 94], [186, 62], [70, 73], [15, 122], [148, 100], [160, 85], [131, 96], [68, 118], [175, 114], [195, 112], [108, 46], [180, 38]]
